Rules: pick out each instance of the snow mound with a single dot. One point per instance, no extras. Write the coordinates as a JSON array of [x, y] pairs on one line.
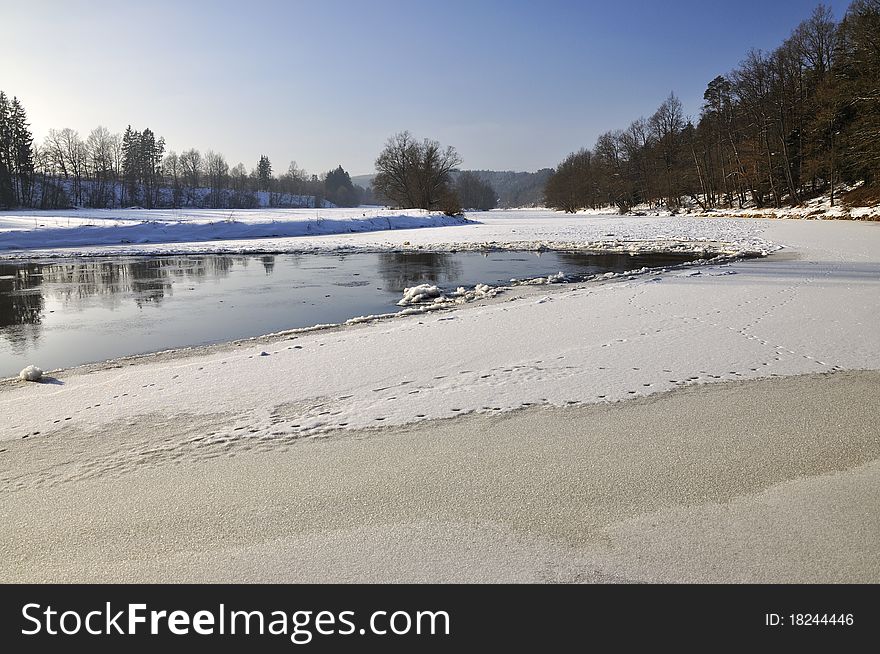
[[31, 374], [419, 298], [418, 294], [557, 278]]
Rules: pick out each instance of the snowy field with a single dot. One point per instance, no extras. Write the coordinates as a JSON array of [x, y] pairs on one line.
[[133, 228], [142, 232]]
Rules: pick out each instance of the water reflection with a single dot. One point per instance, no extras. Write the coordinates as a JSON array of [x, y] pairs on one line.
[[21, 305], [399, 270], [21, 302], [268, 262], [24, 288], [589, 262]]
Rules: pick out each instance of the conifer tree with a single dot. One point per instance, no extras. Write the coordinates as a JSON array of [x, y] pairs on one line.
[[7, 195], [130, 165], [264, 173], [22, 153]]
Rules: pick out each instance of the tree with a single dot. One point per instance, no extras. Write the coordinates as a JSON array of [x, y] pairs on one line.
[[7, 194], [339, 189], [295, 180], [857, 82], [264, 174], [474, 193], [131, 165], [217, 171], [174, 173], [22, 153], [573, 185], [191, 167], [415, 175], [67, 157], [100, 147], [151, 153], [242, 192], [613, 165], [667, 123]]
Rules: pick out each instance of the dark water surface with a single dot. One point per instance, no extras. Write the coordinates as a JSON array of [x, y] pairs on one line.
[[64, 312]]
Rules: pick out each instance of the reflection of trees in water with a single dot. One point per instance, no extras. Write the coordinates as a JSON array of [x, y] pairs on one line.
[[149, 280], [588, 262], [399, 270], [583, 263], [146, 280], [201, 268], [21, 304], [268, 262]]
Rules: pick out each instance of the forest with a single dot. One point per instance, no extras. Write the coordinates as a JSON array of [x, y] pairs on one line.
[[782, 127], [109, 170]]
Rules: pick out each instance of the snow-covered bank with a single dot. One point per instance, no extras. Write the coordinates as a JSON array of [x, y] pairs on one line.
[[134, 227], [820, 207], [336, 231]]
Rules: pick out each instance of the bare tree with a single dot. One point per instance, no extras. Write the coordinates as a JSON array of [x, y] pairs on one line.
[[101, 148], [68, 156], [191, 167], [217, 171], [667, 124], [474, 193], [414, 174], [173, 173]]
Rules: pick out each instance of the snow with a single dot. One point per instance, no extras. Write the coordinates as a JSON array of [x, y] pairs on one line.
[[31, 373], [106, 227], [812, 310], [101, 232], [816, 208], [416, 298], [420, 293]]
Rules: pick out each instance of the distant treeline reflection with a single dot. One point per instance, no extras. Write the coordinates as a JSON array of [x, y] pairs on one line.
[[24, 288]]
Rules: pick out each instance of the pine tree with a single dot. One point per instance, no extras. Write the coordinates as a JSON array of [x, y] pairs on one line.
[[339, 189], [7, 195], [264, 173], [131, 165], [22, 153], [150, 153]]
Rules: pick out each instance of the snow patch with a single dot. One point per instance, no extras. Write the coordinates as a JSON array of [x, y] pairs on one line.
[[420, 293], [24, 231], [31, 373]]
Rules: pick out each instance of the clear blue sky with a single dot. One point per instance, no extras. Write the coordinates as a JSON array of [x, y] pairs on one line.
[[511, 84]]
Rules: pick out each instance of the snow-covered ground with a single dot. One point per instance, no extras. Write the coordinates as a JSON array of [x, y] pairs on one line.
[[127, 231], [817, 208], [102, 232], [811, 308]]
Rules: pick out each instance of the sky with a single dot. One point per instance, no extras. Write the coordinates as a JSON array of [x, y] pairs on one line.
[[512, 85]]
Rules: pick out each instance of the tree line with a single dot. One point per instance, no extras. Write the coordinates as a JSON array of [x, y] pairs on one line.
[[109, 170], [782, 127], [16, 153]]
